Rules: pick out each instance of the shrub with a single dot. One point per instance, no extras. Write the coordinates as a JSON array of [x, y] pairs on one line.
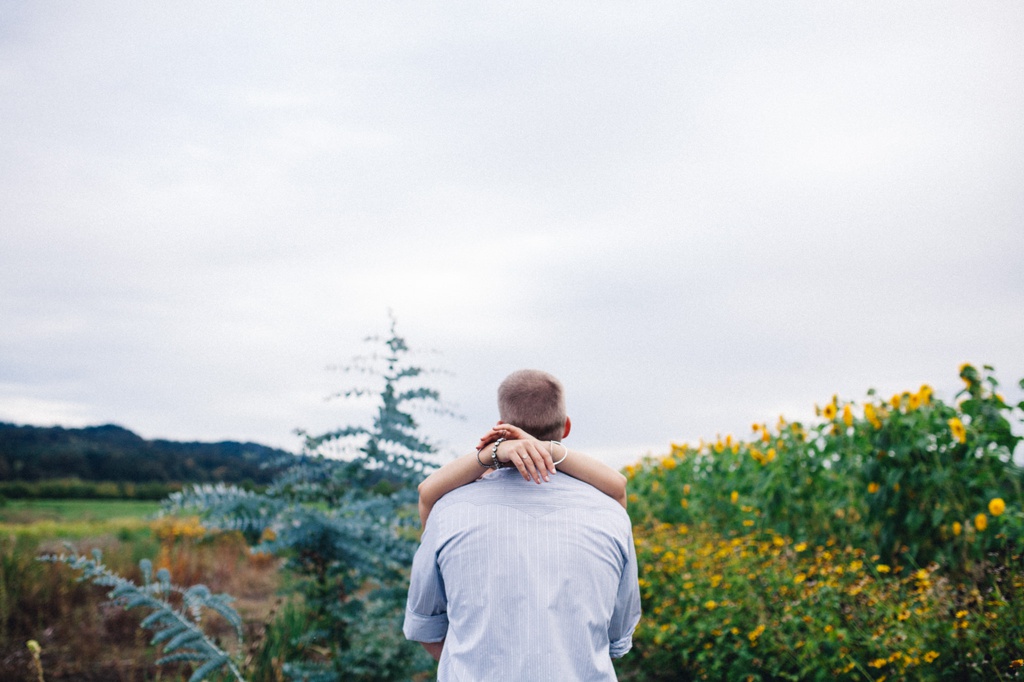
[[880, 541], [343, 518]]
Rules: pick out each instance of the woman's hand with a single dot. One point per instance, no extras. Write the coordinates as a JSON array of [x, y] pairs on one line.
[[529, 455]]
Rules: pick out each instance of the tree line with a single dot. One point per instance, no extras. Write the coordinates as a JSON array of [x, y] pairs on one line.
[[111, 461]]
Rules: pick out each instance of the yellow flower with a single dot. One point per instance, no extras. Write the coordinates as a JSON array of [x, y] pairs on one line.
[[981, 522], [878, 663], [925, 394], [847, 415], [931, 656], [748, 522], [735, 496], [914, 401], [882, 568], [966, 372], [957, 528], [801, 547], [895, 402], [686, 489], [956, 427], [710, 605], [996, 506], [872, 487], [872, 416], [669, 463], [829, 412]]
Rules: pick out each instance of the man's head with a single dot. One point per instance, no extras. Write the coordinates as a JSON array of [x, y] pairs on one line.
[[533, 401]]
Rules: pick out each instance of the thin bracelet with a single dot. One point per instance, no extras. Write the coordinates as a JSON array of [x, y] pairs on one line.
[[480, 461], [494, 453], [563, 456]]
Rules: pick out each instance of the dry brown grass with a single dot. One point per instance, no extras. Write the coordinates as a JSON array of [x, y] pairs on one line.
[[85, 638]]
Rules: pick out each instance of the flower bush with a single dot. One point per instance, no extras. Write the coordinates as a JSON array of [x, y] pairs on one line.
[[881, 541]]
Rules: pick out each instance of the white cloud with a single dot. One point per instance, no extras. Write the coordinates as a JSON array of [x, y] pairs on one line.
[[694, 215]]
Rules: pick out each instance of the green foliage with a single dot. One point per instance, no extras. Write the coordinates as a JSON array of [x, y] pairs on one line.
[[761, 604], [883, 540], [896, 479], [178, 625]]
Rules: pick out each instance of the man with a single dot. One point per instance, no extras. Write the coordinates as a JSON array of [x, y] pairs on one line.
[[522, 582]]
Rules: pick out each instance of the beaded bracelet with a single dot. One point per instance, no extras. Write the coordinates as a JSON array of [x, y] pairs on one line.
[[494, 453], [553, 442]]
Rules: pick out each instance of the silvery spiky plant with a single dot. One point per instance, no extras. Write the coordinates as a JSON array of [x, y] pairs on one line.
[[176, 613], [342, 515]]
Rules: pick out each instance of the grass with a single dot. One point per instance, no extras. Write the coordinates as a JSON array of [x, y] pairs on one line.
[[52, 522], [83, 636], [23, 512]]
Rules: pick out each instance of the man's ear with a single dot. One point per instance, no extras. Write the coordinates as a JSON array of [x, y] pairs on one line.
[[568, 427]]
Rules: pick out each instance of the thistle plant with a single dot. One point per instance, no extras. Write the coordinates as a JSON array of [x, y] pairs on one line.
[[176, 612]]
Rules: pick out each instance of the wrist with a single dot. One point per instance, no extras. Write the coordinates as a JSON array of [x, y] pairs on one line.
[[554, 444]]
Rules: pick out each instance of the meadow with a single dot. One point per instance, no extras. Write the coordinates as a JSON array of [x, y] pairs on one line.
[[881, 541], [82, 635]]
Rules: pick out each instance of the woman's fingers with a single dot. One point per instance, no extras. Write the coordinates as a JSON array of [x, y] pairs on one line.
[[533, 458], [491, 436]]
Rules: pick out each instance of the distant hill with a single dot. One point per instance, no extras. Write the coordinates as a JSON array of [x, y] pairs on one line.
[[111, 453]]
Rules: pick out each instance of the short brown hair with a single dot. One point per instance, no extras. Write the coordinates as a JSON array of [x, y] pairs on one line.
[[533, 400]]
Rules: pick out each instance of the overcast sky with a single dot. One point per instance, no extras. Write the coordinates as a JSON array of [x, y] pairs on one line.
[[696, 215]]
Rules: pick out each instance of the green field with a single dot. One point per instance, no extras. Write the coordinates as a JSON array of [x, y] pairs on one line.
[[74, 519], [31, 511]]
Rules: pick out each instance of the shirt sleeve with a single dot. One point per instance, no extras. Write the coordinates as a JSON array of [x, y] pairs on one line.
[[627, 606], [426, 610]]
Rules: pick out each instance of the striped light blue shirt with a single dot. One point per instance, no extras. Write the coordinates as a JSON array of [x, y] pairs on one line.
[[525, 582]]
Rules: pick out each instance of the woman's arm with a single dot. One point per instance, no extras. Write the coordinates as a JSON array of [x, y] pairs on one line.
[[454, 474], [522, 450], [533, 459]]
